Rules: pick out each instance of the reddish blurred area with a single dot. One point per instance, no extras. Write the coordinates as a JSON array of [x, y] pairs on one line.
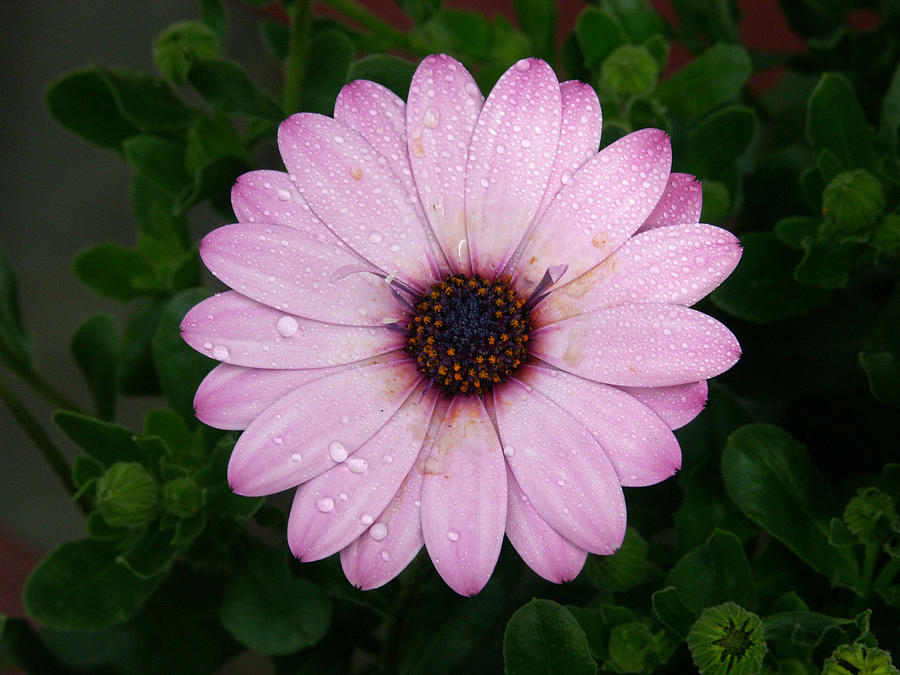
[[16, 561]]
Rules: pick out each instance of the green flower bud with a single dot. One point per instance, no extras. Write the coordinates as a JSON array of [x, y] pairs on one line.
[[870, 515], [127, 495], [629, 70], [852, 204], [182, 497], [857, 659], [727, 640]]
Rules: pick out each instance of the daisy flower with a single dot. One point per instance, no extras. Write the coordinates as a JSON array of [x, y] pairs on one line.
[[454, 319]]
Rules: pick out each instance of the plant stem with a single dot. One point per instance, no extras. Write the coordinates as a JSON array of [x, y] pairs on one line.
[[869, 560], [298, 49], [44, 389], [378, 26], [887, 573], [40, 438]]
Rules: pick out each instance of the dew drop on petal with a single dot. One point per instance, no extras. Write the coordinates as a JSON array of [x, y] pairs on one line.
[[523, 65], [375, 237], [378, 531], [207, 345], [295, 458], [283, 194], [453, 535], [385, 556], [345, 420], [220, 352], [432, 117], [325, 504], [287, 326], [509, 451], [337, 451], [357, 465], [366, 519]]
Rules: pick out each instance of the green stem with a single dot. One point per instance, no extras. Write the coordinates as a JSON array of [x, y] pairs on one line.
[[378, 26], [871, 557], [46, 391], [40, 438], [298, 49], [887, 573]]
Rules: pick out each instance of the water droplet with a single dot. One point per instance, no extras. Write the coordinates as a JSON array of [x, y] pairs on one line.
[[387, 459], [207, 345], [453, 535], [366, 519], [337, 451], [325, 504], [345, 420], [338, 139], [220, 352], [357, 465], [375, 237], [471, 89], [509, 451], [385, 556], [278, 440], [342, 496], [287, 326], [523, 65], [283, 195], [378, 531], [432, 117], [295, 458]]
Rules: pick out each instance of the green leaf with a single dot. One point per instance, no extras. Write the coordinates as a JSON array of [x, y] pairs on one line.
[[21, 646], [215, 156], [420, 11], [145, 101], [391, 71], [622, 570], [835, 121], [173, 430], [13, 339], [214, 16], [85, 468], [113, 271], [180, 368], [94, 347], [267, 610], [79, 585], [671, 610], [714, 573], [806, 629], [106, 442], [629, 70], [889, 121], [152, 554], [762, 288], [598, 34], [770, 478], [457, 31], [226, 87], [795, 231], [852, 203], [180, 45], [137, 374], [97, 528], [708, 81], [716, 202], [158, 159], [828, 264], [82, 103], [640, 20], [883, 374], [719, 141], [330, 54], [634, 649], [544, 637], [538, 21]]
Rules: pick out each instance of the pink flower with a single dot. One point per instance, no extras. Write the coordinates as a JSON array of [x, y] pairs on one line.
[[454, 318]]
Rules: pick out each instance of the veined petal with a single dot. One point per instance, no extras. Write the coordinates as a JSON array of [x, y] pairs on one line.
[[444, 103], [464, 497], [292, 271], [603, 204], [676, 265], [317, 426], [681, 202], [648, 345], [335, 507], [512, 151], [370, 562], [270, 197], [346, 184], [379, 115], [543, 549], [561, 468], [676, 405], [639, 444], [233, 328]]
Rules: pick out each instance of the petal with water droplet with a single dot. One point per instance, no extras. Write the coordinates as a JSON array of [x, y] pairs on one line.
[[676, 405], [256, 198], [681, 202], [464, 497]]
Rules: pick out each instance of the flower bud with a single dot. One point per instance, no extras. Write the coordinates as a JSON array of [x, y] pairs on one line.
[[182, 497], [127, 495], [870, 515], [727, 640], [852, 203], [857, 659]]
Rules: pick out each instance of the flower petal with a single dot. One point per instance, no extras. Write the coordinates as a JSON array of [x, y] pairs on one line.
[[543, 549], [443, 104], [464, 497], [603, 204], [335, 507], [369, 563], [270, 197], [379, 115], [648, 345], [639, 444], [233, 328], [676, 405], [681, 202], [295, 272], [345, 183], [561, 468], [512, 151], [676, 265], [316, 426]]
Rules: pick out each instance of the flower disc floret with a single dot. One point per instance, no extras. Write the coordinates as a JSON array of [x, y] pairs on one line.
[[468, 334]]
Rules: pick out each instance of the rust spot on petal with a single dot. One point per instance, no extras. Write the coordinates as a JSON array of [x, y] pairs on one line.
[[356, 173]]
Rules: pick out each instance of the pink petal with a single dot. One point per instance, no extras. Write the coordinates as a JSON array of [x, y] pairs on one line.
[[369, 563], [464, 497], [270, 197], [603, 204], [379, 115], [648, 345], [510, 158], [676, 405], [335, 507], [642, 448], [444, 103], [676, 265], [317, 426], [296, 273], [345, 183], [233, 328], [680, 203], [543, 549], [561, 468]]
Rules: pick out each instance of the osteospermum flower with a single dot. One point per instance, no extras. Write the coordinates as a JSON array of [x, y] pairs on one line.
[[454, 318]]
